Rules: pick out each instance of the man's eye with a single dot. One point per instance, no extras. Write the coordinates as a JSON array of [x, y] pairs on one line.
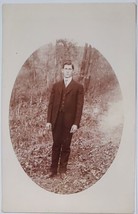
[[68, 69]]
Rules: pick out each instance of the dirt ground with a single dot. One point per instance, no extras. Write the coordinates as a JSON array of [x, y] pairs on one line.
[[93, 149]]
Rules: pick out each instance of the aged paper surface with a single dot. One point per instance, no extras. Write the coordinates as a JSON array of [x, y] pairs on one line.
[[111, 29]]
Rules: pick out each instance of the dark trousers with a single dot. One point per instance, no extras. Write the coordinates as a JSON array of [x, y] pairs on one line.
[[61, 145]]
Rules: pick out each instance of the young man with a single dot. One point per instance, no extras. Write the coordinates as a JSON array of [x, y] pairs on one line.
[[64, 115]]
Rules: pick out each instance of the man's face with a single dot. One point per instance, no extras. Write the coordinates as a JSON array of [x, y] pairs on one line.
[[67, 71]]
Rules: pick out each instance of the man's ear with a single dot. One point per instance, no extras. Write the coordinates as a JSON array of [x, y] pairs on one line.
[[73, 72]]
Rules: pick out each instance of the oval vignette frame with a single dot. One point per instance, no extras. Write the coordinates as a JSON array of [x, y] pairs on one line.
[[95, 144]]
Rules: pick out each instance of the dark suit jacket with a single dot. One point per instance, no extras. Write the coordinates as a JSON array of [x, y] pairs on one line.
[[74, 99]]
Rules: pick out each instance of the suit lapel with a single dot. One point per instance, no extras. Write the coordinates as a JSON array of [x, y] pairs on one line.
[[60, 86], [70, 86]]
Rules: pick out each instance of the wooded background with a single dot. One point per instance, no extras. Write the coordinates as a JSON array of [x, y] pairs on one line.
[[92, 149]]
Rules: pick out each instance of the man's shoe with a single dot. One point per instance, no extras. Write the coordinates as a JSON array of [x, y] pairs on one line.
[[62, 170], [63, 175], [52, 175]]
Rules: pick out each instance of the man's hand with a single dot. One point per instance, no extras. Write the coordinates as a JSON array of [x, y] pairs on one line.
[[73, 128], [48, 126]]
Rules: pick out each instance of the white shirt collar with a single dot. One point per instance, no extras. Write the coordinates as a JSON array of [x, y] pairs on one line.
[[67, 81]]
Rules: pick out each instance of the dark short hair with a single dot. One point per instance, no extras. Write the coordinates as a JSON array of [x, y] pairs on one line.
[[68, 63]]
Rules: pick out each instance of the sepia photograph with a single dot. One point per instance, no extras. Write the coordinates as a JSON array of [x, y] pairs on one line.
[[66, 135], [68, 108]]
